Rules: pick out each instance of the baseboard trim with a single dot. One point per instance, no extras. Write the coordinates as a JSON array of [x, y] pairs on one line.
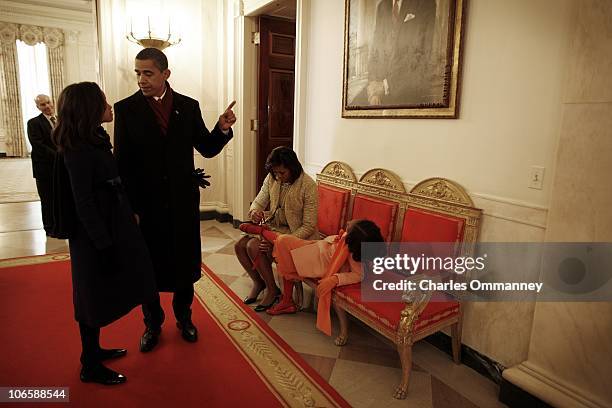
[[480, 363], [509, 394], [215, 215], [516, 397]]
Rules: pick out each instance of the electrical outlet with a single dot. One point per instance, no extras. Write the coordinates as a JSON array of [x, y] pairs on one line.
[[536, 177]]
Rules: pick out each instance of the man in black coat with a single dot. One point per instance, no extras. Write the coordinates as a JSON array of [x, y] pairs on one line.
[[43, 154], [156, 130]]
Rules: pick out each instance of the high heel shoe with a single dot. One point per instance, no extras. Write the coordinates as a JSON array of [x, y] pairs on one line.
[[263, 308], [249, 300]]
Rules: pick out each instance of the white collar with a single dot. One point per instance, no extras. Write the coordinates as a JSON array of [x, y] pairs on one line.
[[159, 98]]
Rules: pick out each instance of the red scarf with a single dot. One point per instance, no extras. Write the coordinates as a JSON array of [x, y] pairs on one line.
[[162, 109], [338, 259]]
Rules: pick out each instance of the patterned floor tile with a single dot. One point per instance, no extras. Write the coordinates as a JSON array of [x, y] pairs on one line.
[[264, 316], [27, 243], [227, 279], [300, 332], [366, 354], [20, 216], [225, 264], [228, 249], [214, 244], [372, 386], [322, 365], [20, 186], [445, 397], [473, 386], [242, 287], [212, 231]]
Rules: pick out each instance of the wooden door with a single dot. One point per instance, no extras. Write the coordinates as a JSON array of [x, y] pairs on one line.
[[276, 88]]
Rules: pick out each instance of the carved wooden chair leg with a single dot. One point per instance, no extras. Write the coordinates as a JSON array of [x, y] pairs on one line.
[[405, 352], [343, 334], [456, 341]]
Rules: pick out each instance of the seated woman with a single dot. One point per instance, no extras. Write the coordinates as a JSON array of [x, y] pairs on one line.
[[292, 198], [336, 260]]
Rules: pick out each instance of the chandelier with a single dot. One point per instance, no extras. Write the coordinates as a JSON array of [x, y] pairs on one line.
[[151, 41]]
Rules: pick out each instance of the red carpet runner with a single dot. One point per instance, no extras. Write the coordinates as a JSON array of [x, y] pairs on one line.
[[238, 360]]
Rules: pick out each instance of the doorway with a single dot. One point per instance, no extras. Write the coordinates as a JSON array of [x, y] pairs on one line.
[[276, 84]]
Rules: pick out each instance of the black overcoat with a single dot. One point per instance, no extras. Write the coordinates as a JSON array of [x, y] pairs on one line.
[[43, 149], [111, 267], [157, 171]]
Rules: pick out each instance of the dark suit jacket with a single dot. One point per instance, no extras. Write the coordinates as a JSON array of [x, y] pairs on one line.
[[400, 51], [157, 172], [43, 149]]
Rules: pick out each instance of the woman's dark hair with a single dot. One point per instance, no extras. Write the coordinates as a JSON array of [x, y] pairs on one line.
[[284, 156], [363, 231], [79, 113]]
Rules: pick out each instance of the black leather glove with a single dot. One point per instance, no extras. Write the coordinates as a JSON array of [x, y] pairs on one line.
[[201, 178]]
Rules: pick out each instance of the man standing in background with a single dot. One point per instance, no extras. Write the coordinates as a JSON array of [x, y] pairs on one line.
[[156, 130], [43, 154]]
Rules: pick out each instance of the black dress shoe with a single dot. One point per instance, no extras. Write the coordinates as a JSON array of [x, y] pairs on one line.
[[263, 308], [248, 300], [149, 339], [108, 354], [101, 375], [188, 330]]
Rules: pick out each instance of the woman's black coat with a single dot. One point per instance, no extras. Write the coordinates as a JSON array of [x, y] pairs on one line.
[[111, 267], [157, 171]]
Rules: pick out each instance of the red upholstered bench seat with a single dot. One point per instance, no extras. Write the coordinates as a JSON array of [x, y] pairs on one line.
[[381, 212], [441, 306], [333, 203], [436, 210]]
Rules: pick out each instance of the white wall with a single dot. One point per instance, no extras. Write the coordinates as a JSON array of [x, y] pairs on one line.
[[510, 109], [194, 65], [510, 104]]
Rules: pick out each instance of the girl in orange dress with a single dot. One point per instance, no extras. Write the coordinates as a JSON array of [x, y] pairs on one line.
[[335, 260]]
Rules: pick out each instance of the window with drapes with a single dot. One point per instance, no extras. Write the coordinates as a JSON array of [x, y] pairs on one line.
[[11, 112], [33, 79]]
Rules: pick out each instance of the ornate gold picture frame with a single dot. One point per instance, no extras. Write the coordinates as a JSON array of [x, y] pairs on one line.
[[402, 58]]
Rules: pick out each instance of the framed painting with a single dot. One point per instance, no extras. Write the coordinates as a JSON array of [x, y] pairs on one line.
[[402, 58]]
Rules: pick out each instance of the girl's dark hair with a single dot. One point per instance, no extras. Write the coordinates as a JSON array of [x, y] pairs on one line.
[[363, 231], [284, 156], [79, 113]]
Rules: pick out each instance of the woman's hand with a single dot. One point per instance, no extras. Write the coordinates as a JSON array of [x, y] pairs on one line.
[[257, 216], [265, 246]]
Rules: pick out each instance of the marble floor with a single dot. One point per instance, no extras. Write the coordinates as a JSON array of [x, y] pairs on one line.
[[365, 371], [16, 182]]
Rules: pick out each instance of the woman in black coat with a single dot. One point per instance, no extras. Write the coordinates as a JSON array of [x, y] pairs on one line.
[[111, 268]]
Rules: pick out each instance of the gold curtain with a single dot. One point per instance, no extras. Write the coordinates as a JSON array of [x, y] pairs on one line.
[[10, 104], [54, 39]]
